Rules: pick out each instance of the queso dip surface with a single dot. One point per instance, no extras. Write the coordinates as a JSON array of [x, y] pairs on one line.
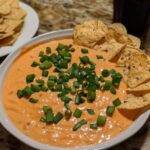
[[26, 116]]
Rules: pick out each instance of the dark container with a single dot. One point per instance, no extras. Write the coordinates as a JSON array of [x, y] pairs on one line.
[[134, 14]]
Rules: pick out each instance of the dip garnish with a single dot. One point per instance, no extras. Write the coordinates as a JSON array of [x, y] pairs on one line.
[[84, 50], [71, 80], [79, 124], [91, 111], [77, 113]]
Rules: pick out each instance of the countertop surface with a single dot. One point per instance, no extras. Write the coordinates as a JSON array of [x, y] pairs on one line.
[[62, 14]]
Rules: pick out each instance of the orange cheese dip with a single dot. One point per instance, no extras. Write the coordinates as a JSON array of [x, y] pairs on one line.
[[26, 116]]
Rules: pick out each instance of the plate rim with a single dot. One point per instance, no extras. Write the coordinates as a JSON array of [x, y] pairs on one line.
[[12, 47], [8, 124]]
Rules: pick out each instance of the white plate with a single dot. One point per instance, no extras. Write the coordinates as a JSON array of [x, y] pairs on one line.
[[29, 29], [6, 122]]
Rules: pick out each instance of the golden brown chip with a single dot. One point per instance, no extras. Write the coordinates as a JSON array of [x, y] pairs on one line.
[[118, 27], [126, 56], [139, 69], [135, 41], [90, 33], [119, 37], [132, 102], [14, 3], [9, 40], [142, 87], [2, 2], [16, 13], [5, 35], [114, 49], [12, 25], [1, 20], [2, 28], [124, 59], [5, 9]]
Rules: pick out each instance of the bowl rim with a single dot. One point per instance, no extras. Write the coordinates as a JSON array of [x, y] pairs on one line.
[[8, 124]]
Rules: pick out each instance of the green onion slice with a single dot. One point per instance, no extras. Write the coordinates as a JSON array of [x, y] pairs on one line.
[[79, 124], [77, 113], [58, 117]]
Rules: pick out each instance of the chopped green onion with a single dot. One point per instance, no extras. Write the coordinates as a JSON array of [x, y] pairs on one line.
[[34, 64], [110, 110], [116, 102], [58, 87], [84, 50], [52, 78], [91, 95], [105, 73], [76, 84], [84, 59], [44, 88], [99, 57], [73, 90], [35, 88], [40, 81], [112, 90], [33, 100], [58, 117], [79, 100], [48, 50], [44, 73], [101, 120], [41, 53], [79, 124], [101, 79], [77, 113], [57, 69], [48, 114], [107, 85], [20, 93], [66, 99], [27, 91], [63, 64], [50, 83], [30, 78], [91, 111], [45, 65], [93, 126]]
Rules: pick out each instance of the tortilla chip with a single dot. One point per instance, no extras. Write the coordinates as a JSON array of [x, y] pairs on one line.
[[3, 36], [9, 40], [142, 87], [114, 49], [119, 27], [119, 37], [5, 9], [126, 56], [16, 14], [2, 28], [135, 41], [1, 20], [133, 102], [124, 59], [90, 33], [139, 69], [14, 4], [12, 25]]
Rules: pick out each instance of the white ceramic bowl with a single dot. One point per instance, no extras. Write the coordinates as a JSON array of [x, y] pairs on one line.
[[6, 122]]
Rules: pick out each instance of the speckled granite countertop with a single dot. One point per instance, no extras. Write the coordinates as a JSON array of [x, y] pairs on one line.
[[61, 14]]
